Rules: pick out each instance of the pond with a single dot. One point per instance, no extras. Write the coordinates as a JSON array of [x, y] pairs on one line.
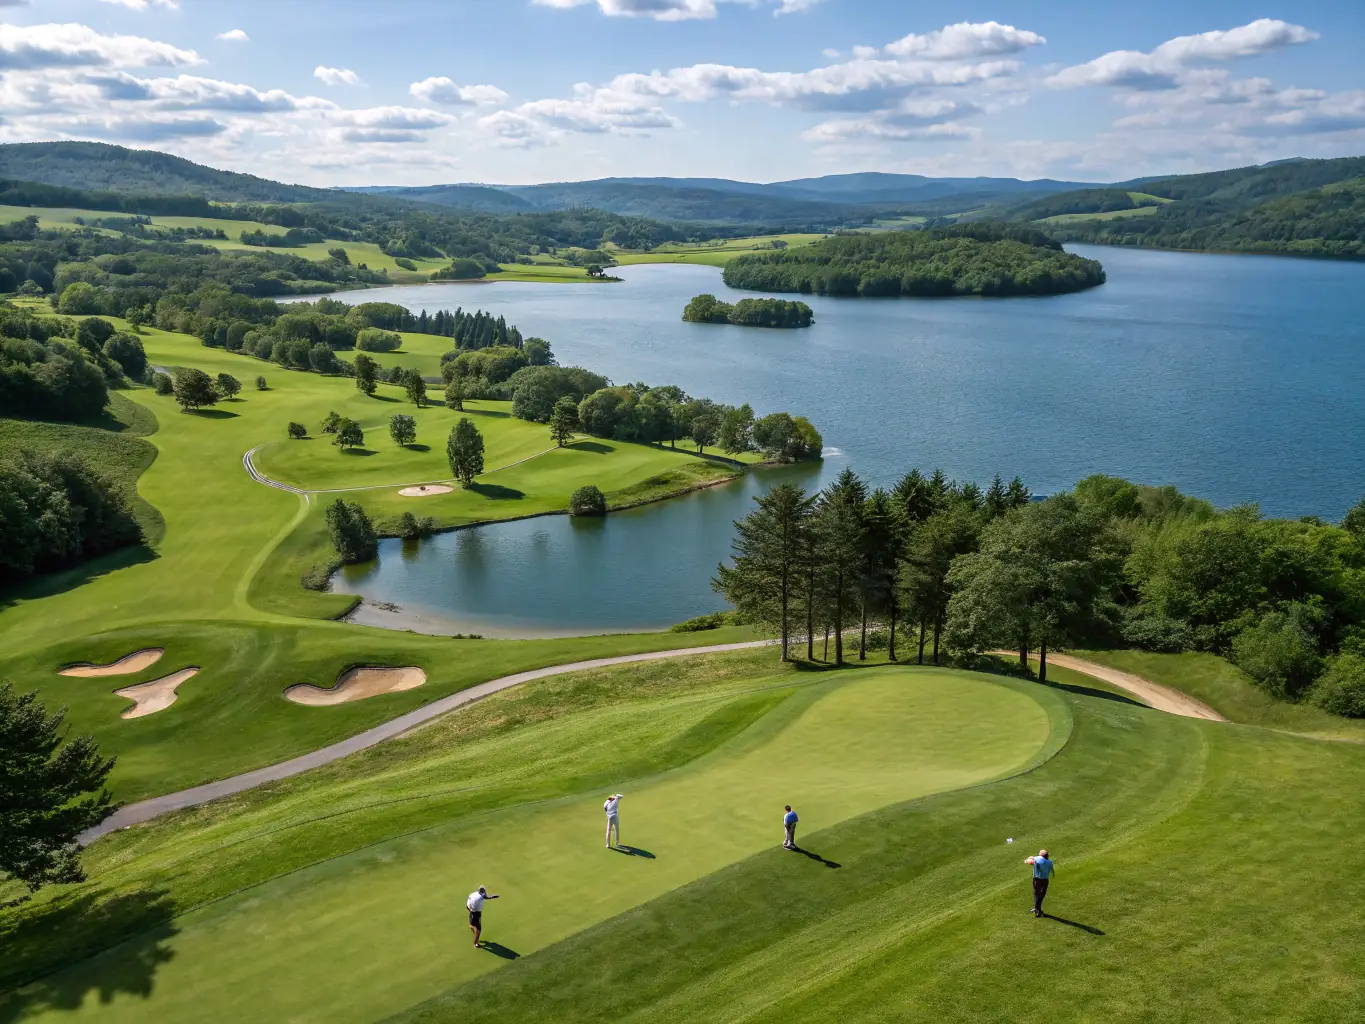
[[1236, 378]]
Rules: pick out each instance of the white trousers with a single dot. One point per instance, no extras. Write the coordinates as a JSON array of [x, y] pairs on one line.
[[613, 829]]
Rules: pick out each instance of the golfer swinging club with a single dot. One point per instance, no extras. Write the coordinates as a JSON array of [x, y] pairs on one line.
[[475, 907], [1043, 869], [613, 821]]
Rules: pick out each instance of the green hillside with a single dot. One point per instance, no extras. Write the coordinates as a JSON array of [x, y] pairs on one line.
[[1309, 208]]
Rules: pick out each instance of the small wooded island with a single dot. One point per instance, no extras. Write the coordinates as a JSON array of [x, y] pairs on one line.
[[707, 309], [968, 259]]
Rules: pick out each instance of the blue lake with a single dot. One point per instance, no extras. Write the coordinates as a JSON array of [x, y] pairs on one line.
[[1236, 378]]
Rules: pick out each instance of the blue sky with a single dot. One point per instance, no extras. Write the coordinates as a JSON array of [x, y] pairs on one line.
[[356, 92]]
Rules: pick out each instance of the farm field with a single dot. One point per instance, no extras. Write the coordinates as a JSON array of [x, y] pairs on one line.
[[1071, 218], [1170, 835], [715, 253]]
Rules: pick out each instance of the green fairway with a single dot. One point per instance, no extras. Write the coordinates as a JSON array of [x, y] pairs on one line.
[[220, 587], [371, 931], [338, 895]]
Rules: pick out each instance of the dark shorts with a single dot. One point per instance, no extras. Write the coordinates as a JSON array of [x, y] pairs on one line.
[[476, 919]]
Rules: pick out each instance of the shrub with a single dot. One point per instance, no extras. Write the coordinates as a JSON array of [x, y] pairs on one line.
[[405, 263], [702, 622], [1279, 652], [372, 339], [1158, 633], [588, 501], [1341, 690], [261, 384], [297, 431], [162, 383], [411, 528]]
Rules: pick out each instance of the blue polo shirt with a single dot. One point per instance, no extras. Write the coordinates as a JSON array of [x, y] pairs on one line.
[[789, 818], [1042, 868]]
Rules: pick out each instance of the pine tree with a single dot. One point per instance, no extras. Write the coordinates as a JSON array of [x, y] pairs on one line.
[[1017, 493], [563, 421], [769, 552], [883, 543], [839, 524], [997, 500]]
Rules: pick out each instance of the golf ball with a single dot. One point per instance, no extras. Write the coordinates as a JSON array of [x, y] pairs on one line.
[[1010, 840]]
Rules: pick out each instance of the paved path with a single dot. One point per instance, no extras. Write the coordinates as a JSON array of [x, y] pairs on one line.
[[145, 810], [1162, 698]]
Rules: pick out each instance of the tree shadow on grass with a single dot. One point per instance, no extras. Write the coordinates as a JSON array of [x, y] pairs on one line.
[[61, 953], [1074, 924], [418, 447], [497, 492], [815, 856], [498, 949], [69, 579], [633, 851], [212, 414], [1090, 691], [359, 451], [596, 447], [383, 398]]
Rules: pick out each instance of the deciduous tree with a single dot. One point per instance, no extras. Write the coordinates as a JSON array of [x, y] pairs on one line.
[[464, 449], [402, 428], [564, 421]]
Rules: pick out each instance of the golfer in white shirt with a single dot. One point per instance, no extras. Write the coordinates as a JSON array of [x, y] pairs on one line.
[[613, 821], [475, 907]]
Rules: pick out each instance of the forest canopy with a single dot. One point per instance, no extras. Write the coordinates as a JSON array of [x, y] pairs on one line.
[[921, 263]]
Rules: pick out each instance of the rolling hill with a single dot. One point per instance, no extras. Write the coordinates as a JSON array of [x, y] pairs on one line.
[[1299, 207]]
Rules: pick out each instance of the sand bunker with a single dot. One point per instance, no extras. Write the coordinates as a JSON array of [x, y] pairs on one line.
[[125, 666], [425, 490], [357, 684], [155, 696]]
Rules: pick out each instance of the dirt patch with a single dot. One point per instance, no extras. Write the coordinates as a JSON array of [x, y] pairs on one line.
[[157, 695], [425, 490], [357, 684], [1163, 698], [125, 666]]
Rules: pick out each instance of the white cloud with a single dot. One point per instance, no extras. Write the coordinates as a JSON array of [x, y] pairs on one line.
[[234, 35], [673, 10], [443, 90], [335, 76], [394, 118], [189, 92], [142, 5], [33, 47], [1162, 68], [965, 41], [878, 129]]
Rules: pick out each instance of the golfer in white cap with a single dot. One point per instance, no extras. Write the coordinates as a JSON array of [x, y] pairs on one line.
[[613, 821], [475, 907]]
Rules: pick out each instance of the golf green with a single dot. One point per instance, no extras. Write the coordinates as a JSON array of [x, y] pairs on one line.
[[382, 927]]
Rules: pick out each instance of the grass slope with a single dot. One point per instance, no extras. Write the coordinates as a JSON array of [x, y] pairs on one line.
[[706, 770], [222, 588], [1205, 870], [114, 444]]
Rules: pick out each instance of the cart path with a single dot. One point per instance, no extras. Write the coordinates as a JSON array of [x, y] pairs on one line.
[[1161, 698], [145, 810]]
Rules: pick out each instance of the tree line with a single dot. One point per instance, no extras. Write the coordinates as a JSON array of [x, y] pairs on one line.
[[1109, 563], [57, 511], [62, 369]]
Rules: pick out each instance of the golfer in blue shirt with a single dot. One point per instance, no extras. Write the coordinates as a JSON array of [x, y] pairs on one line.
[[1043, 869], [789, 821]]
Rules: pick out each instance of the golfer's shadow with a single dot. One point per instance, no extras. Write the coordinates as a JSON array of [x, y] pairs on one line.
[[633, 851], [815, 856], [498, 949], [1074, 924]]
